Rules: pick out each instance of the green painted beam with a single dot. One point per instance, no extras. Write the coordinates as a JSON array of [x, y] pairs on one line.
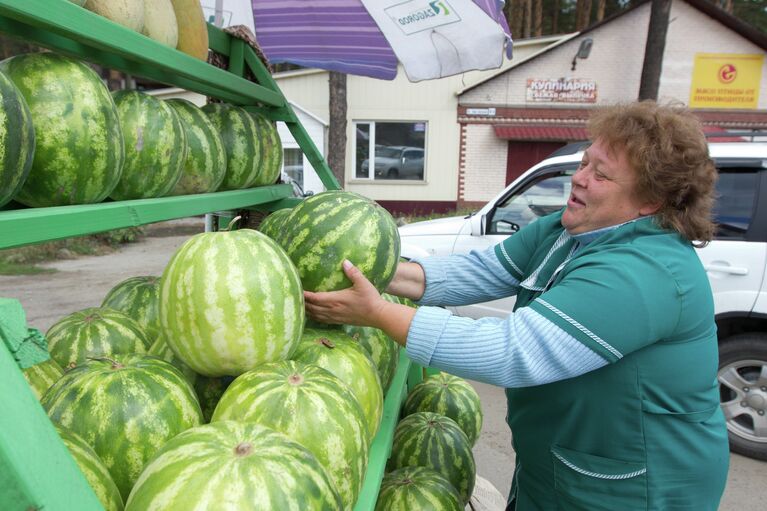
[[36, 469], [64, 26], [33, 225], [380, 449]]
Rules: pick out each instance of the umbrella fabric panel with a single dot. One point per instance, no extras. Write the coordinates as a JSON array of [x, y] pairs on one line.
[[337, 35]]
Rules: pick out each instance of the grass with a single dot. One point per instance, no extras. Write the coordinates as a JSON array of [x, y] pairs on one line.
[[25, 260]]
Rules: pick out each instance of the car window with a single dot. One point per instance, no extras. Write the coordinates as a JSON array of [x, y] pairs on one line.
[[539, 197], [736, 199]]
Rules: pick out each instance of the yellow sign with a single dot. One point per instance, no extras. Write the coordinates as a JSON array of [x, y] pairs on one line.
[[726, 80]]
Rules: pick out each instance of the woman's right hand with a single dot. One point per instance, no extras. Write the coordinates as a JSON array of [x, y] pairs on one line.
[[409, 281]]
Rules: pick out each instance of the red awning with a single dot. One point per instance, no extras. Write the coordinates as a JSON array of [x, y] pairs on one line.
[[560, 133]]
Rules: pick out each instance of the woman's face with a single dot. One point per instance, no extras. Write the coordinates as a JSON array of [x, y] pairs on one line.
[[603, 192]]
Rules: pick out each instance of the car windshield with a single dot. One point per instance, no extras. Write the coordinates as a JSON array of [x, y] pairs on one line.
[[387, 152]]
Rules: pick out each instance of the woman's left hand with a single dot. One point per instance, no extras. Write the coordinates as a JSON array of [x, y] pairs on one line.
[[358, 305]]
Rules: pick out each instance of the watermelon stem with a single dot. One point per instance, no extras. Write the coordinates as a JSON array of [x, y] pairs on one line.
[[231, 224], [243, 449], [326, 342]]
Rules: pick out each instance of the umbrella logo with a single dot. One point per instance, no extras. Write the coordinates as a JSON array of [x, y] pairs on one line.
[[435, 6], [727, 73], [416, 16]]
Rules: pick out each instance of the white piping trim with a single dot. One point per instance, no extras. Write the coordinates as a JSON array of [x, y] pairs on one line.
[[628, 475], [508, 259], [530, 282], [580, 327]]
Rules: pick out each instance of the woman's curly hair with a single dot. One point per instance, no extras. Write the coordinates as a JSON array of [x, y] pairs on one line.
[[666, 148]]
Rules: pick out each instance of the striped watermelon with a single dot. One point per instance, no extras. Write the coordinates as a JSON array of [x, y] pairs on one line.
[[426, 439], [126, 408], [209, 391], [338, 353], [94, 332], [239, 133], [234, 465], [155, 146], [417, 488], [383, 351], [331, 226], [17, 138], [312, 407], [230, 301], [79, 150], [271, 150], [161, 350], [451, 396], [93, 469], [205, 166], [272, 224], [41, 376], [137, 297]]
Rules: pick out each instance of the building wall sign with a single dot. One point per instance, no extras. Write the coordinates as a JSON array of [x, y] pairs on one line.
[[561, 90], [726, 80]]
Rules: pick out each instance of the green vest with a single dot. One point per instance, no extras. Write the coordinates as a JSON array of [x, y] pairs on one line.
[[646, 431]]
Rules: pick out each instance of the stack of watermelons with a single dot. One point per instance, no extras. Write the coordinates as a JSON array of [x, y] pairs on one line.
[[69, 141], [292, 411]]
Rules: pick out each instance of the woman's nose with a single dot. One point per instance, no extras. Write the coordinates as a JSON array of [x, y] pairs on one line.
[[579, 178]]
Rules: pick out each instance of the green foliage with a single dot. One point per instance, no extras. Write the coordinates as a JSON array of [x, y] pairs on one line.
[[409, 219]]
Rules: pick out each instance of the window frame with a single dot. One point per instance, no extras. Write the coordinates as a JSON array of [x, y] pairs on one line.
[[371, 178]]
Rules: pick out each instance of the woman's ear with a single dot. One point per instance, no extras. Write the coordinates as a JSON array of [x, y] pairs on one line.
[[650, 208]]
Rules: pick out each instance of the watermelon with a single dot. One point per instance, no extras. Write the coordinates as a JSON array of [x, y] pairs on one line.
[[239, 133], [230, 301], [271, 150], [426, 439], [451, 396], [17, 138], [79, 149], [137, 297], [417, 488], [234, 465], [209, 391], [338, 353], [161, 350], [126, 408], [312, 407], [94, 332], [331, 226], [272, 224], [93, 469], [381, 348], [155, 146], [41, 376], [205, 165]]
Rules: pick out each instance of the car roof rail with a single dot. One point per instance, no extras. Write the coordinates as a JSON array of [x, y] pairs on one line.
[[571, 148], [733, 136]]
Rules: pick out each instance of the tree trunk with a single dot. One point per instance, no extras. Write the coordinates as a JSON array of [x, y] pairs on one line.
[[653, 52], [555, 18], [528, 18], [537, 18], [337, 130], [582, 14], [516, 16], [601, 10]]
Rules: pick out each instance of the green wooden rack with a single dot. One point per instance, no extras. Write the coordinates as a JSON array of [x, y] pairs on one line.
[[36, 470]]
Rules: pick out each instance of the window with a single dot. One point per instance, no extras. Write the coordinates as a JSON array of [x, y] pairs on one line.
[[397, 148], [545, 194], [293, 164], [735, 201]]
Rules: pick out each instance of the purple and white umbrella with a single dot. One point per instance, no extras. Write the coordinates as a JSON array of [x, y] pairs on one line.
[[431, 39]]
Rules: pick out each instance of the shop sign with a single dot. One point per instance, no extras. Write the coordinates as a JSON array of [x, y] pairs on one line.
[[561, 90], [726, 80]]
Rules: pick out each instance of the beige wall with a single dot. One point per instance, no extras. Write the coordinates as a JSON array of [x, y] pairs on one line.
[[433, 102]]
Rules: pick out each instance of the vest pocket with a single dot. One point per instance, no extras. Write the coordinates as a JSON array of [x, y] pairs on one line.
[[584, 482]]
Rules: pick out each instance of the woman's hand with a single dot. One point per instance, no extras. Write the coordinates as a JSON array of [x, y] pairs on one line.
[[360, 305]]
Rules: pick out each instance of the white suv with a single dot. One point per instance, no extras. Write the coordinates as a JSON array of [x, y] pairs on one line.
[[735, 262]]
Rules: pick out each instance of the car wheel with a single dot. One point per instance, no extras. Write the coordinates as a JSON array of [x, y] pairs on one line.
[[392, 174], [743, 392]]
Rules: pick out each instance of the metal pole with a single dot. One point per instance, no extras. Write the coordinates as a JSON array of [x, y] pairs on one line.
[[218, 20]]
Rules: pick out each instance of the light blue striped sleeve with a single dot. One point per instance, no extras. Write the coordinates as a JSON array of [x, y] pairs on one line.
[[522, 350], [465, 279]]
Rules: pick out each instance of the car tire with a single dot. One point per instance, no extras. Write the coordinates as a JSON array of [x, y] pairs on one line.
[[742, 380], [392, 174]]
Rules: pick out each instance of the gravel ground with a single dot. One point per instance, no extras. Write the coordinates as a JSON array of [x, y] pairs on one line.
[[83, 282]]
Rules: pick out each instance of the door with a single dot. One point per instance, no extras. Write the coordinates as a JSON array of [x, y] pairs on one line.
[[522, 155]]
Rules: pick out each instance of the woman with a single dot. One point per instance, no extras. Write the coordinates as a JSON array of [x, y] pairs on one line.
[[609, 359]]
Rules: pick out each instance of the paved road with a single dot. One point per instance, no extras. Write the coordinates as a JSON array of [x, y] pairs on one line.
[[84, 282]]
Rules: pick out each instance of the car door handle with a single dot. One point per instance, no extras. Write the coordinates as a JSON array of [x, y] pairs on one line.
[[722, 268]]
